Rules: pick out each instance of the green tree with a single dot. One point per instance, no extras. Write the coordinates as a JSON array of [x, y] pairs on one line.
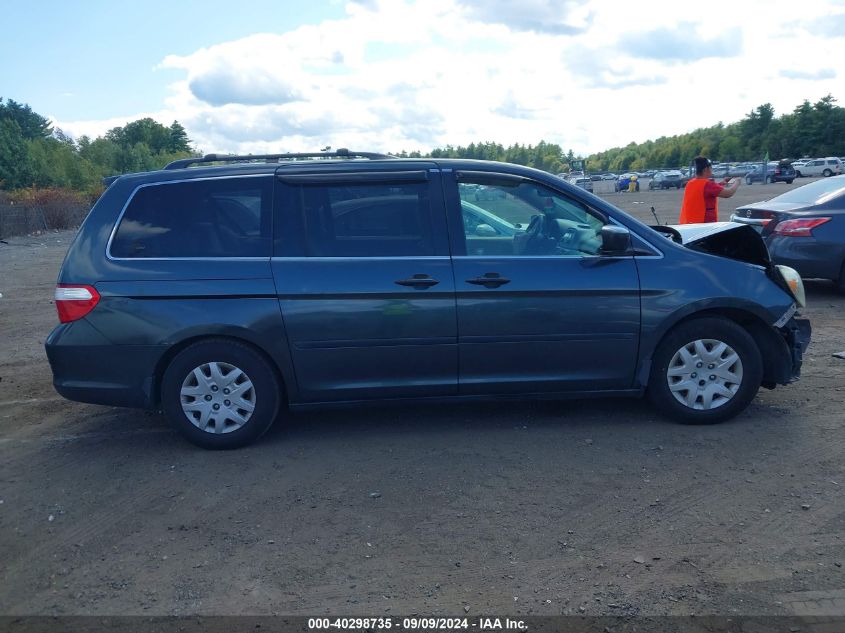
[[14, 158], [32, 124], [179, 141]]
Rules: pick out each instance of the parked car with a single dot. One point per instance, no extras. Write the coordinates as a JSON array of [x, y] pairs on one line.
[[224, 295], [609, 176], [720, 171], [735, 170], [775, 172], [482, 192], [623, 183], [830, 166], [583, 182], [804, 228], [667, 180]]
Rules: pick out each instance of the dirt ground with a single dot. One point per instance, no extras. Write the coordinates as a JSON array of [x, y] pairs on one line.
[[594, 507]]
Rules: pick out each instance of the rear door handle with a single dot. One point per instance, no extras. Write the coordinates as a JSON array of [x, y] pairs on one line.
[[420, 282], [489, 280]]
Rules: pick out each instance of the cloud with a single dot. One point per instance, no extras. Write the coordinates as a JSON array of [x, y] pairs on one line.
[[566, 17], [416, 74], [620, 84], [681, 44], [513, 108], [828, 25], [824, 73], [222, 86]]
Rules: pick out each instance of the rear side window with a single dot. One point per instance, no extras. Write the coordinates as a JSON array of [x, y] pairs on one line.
[[390, 219], [224, 217]]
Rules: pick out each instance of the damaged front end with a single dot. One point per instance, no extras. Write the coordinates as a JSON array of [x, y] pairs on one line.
[[741, 242]]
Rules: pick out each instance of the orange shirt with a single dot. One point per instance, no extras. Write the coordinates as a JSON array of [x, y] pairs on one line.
[[700, 202]]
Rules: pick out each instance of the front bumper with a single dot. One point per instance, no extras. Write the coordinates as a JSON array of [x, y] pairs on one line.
[[798, 333]]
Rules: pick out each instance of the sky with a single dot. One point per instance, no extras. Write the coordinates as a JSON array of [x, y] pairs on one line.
[[388, 75]]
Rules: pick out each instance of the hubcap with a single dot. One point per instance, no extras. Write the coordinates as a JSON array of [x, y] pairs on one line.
[[704, 391], [217, 397]]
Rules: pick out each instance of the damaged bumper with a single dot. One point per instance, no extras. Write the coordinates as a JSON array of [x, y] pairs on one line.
[[797, 333]]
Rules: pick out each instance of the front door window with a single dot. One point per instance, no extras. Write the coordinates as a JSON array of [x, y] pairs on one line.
[[523, 218]]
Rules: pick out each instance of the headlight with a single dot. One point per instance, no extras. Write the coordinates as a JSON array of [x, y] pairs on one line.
[[793, 280]]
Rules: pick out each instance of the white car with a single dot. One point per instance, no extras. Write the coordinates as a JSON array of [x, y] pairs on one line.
[[830, 166]]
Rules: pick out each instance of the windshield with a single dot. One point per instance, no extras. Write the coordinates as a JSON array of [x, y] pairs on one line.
[[816, 192]]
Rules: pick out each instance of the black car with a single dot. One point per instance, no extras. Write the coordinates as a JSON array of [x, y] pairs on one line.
[[668, 179], [775, 172], [804, 228], [225, 290]]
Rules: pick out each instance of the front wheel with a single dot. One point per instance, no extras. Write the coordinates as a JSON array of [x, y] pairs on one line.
[[827, 173], [220, 394], [798, 174], [706, 370]]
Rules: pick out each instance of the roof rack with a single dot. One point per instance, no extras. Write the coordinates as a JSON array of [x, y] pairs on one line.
[[272, 158]]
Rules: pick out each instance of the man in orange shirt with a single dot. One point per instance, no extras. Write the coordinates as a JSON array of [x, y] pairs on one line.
[[701, 194]]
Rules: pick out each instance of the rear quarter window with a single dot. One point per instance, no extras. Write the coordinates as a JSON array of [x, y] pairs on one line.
[[222, 217]]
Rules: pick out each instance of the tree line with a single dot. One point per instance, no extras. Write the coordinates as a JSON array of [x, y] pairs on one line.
[[35, 155], [810, 130], [549, 157]]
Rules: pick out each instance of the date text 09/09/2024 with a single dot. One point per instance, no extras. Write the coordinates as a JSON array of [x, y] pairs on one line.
[[417, 623]]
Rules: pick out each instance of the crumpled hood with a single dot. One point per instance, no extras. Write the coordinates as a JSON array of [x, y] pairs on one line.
[[691, 233]]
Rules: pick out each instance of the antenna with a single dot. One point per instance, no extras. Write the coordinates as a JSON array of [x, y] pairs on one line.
[[656, 219]]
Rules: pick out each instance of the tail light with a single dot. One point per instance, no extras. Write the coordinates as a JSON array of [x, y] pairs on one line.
[[799, 228], [74, 302]]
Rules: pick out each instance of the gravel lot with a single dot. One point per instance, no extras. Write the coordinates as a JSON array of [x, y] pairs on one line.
[[595, 507]]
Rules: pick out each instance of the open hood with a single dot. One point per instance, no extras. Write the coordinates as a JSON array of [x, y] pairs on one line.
[[735, 241], [726, 239], [691, 233]]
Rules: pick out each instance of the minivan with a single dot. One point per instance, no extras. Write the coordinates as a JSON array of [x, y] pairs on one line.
[[224, 290]]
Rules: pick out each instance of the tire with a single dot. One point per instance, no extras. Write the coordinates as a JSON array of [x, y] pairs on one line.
[[748, 180], [798, 174], [692, 336], [769, 180], [220, 358], [789, 182], [827, 173], [638, 187]]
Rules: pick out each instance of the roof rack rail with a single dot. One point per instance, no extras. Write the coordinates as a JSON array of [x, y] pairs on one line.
[[272, 158]]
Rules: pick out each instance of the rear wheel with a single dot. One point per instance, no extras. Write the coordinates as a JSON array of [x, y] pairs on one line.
[[706, 370], [827, 173], [769, 180], [748, 180], [789, 182], [220, 394], [798, 174]]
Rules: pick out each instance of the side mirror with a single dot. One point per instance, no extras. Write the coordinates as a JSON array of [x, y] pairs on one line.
[[485, 230], [615, 240]]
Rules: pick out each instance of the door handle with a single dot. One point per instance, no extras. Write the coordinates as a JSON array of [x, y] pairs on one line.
[[489, 280], [420, 282]]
